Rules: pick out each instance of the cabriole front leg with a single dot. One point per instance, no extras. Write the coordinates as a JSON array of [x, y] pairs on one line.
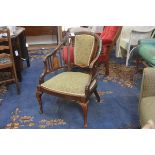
[[38, 96], [84, 106]]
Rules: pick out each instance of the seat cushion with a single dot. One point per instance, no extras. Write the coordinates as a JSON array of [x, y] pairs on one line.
[[69, 83], [147, 52], [147, 110]]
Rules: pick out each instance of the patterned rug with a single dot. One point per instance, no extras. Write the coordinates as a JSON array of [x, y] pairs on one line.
[[118, 107], [39, 54], [120, 74], [17, 121]]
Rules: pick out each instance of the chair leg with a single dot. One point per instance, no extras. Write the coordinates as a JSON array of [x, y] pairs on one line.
[[28, 62], [39, 95], [107, 68], [137, 64], [97, 95], [84, 106], [16, 80]]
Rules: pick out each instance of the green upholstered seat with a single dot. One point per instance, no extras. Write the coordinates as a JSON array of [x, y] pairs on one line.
[[68, 83], [147, 52], [147, 110]]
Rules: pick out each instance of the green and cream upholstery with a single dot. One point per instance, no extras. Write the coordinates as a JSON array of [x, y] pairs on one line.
[[69, 83], [83, 49], [147, 51], [147, 97]]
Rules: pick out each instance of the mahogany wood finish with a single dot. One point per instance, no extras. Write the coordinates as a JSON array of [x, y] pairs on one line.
[[5, 44], [54, 62]]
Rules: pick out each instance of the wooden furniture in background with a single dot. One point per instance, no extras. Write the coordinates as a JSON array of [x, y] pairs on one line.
[[19, 44], [7, 59], [72, 85], [41, 30], [109, 37]]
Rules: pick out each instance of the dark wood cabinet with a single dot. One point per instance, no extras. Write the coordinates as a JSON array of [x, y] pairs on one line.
[[41, 30]]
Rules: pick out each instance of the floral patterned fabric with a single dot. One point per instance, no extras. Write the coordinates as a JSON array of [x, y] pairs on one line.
[[84, 45], [71, 83]]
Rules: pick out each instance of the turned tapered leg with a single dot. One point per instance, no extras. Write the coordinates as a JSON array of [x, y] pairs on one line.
[[84, 106], [97, 95], [38, 95]]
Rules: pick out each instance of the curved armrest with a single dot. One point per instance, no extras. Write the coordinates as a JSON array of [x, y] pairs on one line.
[[52, 62]]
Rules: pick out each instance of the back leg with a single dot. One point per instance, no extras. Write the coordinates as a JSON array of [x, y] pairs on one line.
[[97, 95], [14, 75]]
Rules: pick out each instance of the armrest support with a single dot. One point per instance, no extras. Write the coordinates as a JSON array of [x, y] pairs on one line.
[[93, 69]]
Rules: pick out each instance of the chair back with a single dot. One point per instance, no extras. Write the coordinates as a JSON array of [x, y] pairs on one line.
[[86, 47], [83, 49], [110, 34], [5, 41], [136, 36], [6, 57], [148, 82]]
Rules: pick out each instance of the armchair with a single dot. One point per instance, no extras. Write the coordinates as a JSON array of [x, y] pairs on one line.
[[69, 84], [147, 97]]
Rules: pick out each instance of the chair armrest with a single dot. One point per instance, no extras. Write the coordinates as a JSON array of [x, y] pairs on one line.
[[146, 41], [93, 68], [52, 62]]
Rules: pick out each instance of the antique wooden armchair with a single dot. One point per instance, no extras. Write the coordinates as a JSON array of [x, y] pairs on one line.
[[74, 85], [6, 58]]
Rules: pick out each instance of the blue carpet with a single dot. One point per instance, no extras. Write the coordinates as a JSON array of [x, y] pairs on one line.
[[118, 108]]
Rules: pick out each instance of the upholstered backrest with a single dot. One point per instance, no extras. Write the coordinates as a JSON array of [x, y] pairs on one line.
[[83, 49], [148, 82], [109, 33]]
